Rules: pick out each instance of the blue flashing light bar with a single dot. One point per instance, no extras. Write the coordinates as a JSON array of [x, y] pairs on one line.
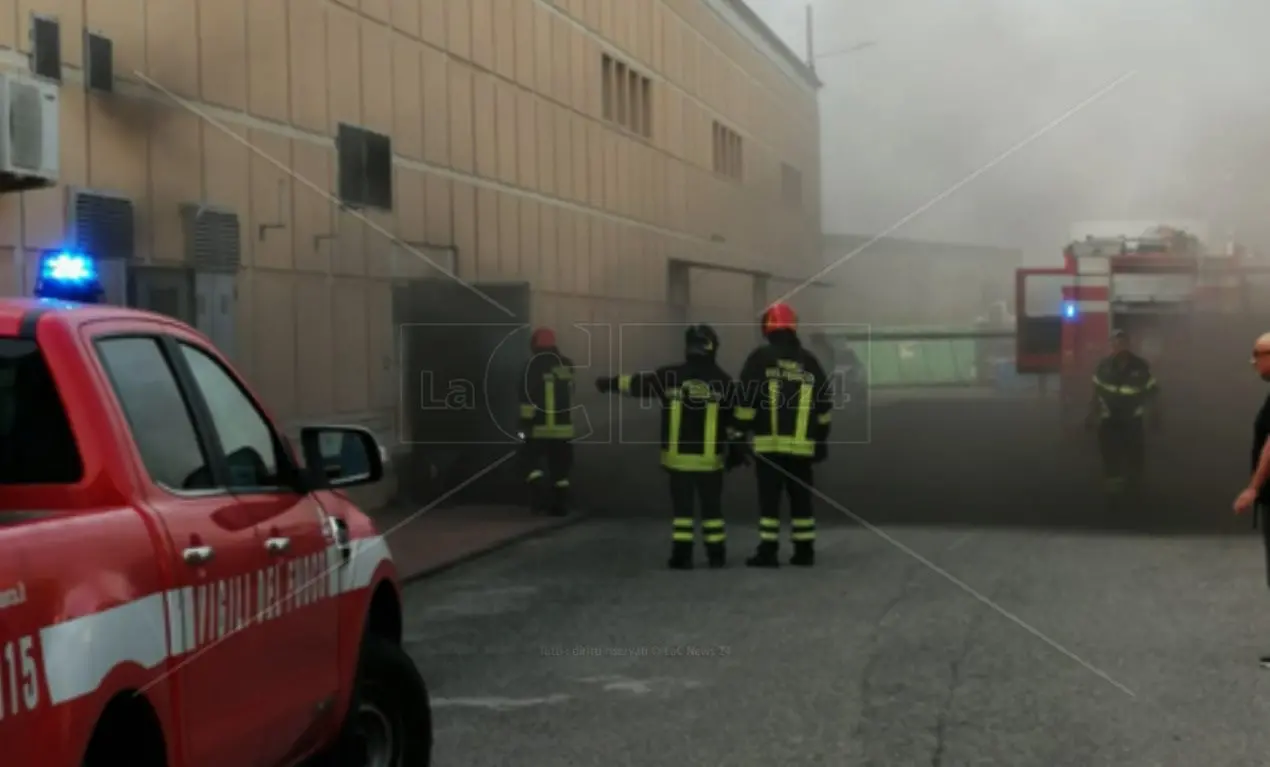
[[1069, 310], [69, 277]]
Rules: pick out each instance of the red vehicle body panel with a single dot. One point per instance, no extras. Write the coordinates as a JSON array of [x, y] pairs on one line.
[[247, 660]]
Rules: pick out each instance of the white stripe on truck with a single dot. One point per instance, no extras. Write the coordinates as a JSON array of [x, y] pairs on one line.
[[80, 653]]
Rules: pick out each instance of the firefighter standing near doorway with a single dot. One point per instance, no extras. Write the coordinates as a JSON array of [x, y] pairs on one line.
[[785, 407], [546, 423], [1124, 391], [698, 441]]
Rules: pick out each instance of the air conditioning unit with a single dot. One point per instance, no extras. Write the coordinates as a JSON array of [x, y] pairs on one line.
[[30, 146]]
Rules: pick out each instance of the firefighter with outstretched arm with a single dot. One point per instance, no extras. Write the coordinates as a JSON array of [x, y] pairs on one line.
[[546, 423], [1125, 394], [698, 441], [785, 406]]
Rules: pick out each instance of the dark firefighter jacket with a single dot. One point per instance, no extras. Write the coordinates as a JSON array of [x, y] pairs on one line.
[[546, 397], [784, 399], [1123, 387], [696, 418]]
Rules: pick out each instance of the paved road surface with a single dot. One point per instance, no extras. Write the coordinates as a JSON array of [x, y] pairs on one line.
[[1127, 641]]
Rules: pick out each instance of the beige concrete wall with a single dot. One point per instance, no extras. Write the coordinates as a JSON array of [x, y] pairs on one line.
[[495, 110]]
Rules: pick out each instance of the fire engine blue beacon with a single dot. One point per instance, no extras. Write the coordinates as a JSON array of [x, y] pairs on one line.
[[1069, 310], [68, 276]]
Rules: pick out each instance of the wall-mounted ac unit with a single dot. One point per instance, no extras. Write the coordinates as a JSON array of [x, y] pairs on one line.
[[30, 146]]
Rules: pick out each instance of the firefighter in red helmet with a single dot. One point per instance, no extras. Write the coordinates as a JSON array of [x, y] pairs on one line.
[[546, 423], [785, 405]]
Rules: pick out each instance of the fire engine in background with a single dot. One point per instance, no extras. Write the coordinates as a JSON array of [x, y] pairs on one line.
[[176, 588], [1190, 311]]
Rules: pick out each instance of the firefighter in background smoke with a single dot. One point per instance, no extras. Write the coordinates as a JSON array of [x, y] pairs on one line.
[[1257, 494], [546, 423], [1125, 393], [785, 406], [698, 441]]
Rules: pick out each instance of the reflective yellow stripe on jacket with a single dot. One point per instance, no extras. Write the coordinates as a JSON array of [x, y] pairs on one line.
[[709, 459], [1127, 391], [798, 443], [1123, 391]]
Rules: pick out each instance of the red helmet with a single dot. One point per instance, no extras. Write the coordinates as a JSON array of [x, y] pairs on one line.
[[779, 317], [543, 338]]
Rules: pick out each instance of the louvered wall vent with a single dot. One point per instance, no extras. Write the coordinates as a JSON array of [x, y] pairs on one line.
[[213, 240], [102, 225]]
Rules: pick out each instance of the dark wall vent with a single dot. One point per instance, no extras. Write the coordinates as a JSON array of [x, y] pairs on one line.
[[213, 238], [99, 63], [103, 225], [46, 48]]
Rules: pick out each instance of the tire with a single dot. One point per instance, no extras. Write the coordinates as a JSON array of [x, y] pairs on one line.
[[389, 721]]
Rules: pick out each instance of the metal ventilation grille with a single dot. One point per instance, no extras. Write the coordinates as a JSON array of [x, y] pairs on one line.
[[26, 126], [213, 240], [104, 225]]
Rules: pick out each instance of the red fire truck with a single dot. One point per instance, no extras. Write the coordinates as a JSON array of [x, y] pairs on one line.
[[1184, 306]]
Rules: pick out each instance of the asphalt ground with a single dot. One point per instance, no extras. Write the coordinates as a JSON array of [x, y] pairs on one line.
[[975, 603]]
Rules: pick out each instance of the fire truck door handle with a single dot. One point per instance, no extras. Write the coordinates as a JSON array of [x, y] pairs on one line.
[[277, 545], [197, 555], [339, 532]]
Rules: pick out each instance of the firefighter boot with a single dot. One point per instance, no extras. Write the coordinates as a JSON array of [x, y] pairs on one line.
[[560, 498], [716, 541], [534, 484], [804, 554], [680, 556], [764, 556]]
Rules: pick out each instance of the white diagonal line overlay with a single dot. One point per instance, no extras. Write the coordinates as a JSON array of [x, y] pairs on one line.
[[327, 573], [1051, 125], [967, 588], [210, 120]]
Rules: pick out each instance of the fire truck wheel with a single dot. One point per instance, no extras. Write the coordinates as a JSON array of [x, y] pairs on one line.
[[390, 721], [128, 733]]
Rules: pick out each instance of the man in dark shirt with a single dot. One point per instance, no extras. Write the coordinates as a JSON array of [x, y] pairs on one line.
[[1257, 494]]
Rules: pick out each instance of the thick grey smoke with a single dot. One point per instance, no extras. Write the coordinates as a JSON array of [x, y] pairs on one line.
[[949, 86]]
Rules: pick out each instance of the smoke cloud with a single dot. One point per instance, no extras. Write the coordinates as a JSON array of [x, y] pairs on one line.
[[946, 87]]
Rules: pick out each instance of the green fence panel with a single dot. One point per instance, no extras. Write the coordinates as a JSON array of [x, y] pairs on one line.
[[919, 362]]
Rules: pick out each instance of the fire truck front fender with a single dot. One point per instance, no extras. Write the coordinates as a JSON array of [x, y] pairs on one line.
[[370, 599]]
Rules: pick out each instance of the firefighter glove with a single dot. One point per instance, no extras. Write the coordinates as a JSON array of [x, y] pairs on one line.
[[606, 384], [822, 452]]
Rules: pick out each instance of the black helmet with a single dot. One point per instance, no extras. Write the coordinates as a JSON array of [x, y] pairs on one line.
[[701, 341]]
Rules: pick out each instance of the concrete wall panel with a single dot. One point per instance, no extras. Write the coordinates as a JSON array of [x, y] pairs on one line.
[[406, 15], [407, 98], [274, 344], [509, 267], [506, 126], [314, 340], [440, 218], [350, 356]]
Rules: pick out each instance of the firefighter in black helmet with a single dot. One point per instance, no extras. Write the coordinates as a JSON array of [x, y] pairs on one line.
[[1125, 395], [785, 404], [546, 423], [697, 439]]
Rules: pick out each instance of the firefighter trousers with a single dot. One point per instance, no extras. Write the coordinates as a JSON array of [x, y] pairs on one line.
[[692, 490], [547, 464], [790, 475], [1122, 446]]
